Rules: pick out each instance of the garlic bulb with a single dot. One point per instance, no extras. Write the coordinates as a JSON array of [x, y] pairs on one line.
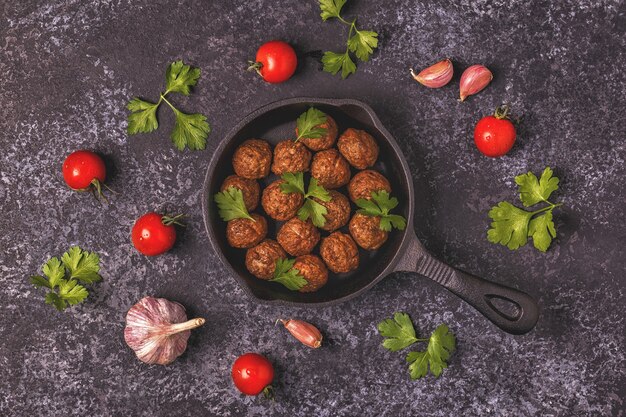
[[157, 330]]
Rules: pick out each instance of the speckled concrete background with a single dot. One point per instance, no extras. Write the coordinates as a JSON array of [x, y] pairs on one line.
[[69, 67]]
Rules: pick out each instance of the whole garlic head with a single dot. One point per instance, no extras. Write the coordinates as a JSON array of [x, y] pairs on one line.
[[157, 330]]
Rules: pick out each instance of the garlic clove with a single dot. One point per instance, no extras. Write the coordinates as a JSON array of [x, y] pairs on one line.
[[436, 75], [304, 332], [474, 80], [157, 330]]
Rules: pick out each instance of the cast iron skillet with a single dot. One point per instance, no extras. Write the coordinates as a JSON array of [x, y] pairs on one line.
[[511, 310]]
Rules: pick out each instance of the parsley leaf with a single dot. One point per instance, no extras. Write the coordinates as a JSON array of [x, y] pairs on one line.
[[82, 265], [63, 276], [334, 62], [331, 8], [307, 124], [143, 118], [512, 226], [363, 43], [440, 345], [294, 183], [399, 332], [315, 211], [231, 205], [317, 191], [180, 78], [380, 205], [286, 274], [533, 191], [190, 130]]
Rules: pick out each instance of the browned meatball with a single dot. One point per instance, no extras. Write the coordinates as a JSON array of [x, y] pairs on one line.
[[340, 252], [325, 142], [338, 211], [278, 205], [313, 270], [290, 156], [298, 237], [252, 159], [365, 231], [330, 169], [261, 259], [245, 233], [249, 188], [358, 147], [365, 182]]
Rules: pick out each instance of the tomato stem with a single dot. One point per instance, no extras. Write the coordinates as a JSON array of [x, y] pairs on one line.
[[168, 220], [268, 392], [255, 66], [502, 112]]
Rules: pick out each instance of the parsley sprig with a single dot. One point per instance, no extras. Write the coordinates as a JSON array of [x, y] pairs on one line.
[[294, 183], [399, 334], [360, 42], [286, 274], [190, 130], [512, 226], [380, 205], [308, 124], [61, 277], [231, 205]]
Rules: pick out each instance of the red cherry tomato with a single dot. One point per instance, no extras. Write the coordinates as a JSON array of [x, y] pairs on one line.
[[154, 234], [495, 135], [252, 374], [276, 62], [83, 169]]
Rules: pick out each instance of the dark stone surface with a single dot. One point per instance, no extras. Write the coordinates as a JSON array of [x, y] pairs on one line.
[[68, 69]]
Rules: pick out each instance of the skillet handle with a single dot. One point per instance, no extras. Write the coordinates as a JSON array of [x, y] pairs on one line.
[[511, 310]]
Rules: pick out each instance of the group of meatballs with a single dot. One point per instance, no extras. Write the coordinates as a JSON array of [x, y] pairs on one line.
[[254, 159]]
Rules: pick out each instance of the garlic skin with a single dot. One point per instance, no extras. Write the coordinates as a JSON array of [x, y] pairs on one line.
[[474, 80], [157, 330], [304, 332], [436, 75]]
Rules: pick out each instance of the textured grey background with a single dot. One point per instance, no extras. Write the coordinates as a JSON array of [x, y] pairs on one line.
[[69, 67]]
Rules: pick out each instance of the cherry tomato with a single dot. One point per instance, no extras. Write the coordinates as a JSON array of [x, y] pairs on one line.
[[154, 234], [253, 374], [495, 135], [83, 169], [276, 62]]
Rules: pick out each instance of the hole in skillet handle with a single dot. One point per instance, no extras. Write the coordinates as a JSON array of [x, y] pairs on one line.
[[508, 309]]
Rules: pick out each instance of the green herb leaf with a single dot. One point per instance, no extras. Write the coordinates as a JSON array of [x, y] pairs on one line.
[[399, 332], [532, 190], [143, 117], [363, 43], [82, 265], [334, 62], [190, 130], [293, 183], [56, 301], [440, 345], [509, 226], [39, 281], [315, 211], [317, 191], [542, 230], [180, 78], [231, 205], [331, 8], [380, 205], [72, 292], [54, 271], [286, 274], [307, 124]]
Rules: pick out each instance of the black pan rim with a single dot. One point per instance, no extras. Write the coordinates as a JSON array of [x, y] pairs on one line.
[[407, 234]]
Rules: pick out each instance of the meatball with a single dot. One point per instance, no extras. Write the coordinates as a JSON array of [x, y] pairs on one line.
[[313, 270], [365, 231], [278, 205], [358, 147], [298, 237], [249, 188], [246, 233], [330, 169], [340, 252], [338, 211], [365, 183], [325, 142], [252, 159], [290, 156], [261, 259]]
